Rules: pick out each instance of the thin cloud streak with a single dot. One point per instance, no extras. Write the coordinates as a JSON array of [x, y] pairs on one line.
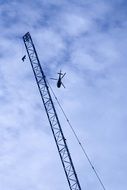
[[87, 40]]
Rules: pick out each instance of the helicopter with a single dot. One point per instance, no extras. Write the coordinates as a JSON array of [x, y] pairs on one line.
[[59, 80]]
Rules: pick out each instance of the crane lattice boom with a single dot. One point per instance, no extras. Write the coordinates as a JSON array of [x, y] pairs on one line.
[[51, 114]]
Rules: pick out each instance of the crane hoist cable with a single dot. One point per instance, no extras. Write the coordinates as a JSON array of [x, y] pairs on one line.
[[78, 140]]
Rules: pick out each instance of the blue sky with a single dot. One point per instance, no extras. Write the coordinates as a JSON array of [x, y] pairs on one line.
[[88, 41]]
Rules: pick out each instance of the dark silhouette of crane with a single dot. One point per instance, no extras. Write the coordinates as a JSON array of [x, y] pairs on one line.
[[52, 114]]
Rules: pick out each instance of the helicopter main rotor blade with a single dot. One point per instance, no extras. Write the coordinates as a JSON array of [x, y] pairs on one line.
[[53, 79], [63, 75], [62, 84]]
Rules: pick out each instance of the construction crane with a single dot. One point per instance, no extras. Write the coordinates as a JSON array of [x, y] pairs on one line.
[[52, 114]]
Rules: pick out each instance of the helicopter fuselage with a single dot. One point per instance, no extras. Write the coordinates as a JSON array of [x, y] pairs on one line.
[[59, 83]]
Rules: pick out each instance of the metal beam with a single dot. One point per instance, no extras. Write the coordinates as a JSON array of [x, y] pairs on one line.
[[51, 114]]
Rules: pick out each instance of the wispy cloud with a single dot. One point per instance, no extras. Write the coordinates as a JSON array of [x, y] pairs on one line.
[[87, 40]]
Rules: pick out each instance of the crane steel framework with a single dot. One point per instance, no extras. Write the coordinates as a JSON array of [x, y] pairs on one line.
[[51, 114]]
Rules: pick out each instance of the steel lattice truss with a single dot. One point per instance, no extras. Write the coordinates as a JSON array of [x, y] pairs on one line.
[[52, 115]]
